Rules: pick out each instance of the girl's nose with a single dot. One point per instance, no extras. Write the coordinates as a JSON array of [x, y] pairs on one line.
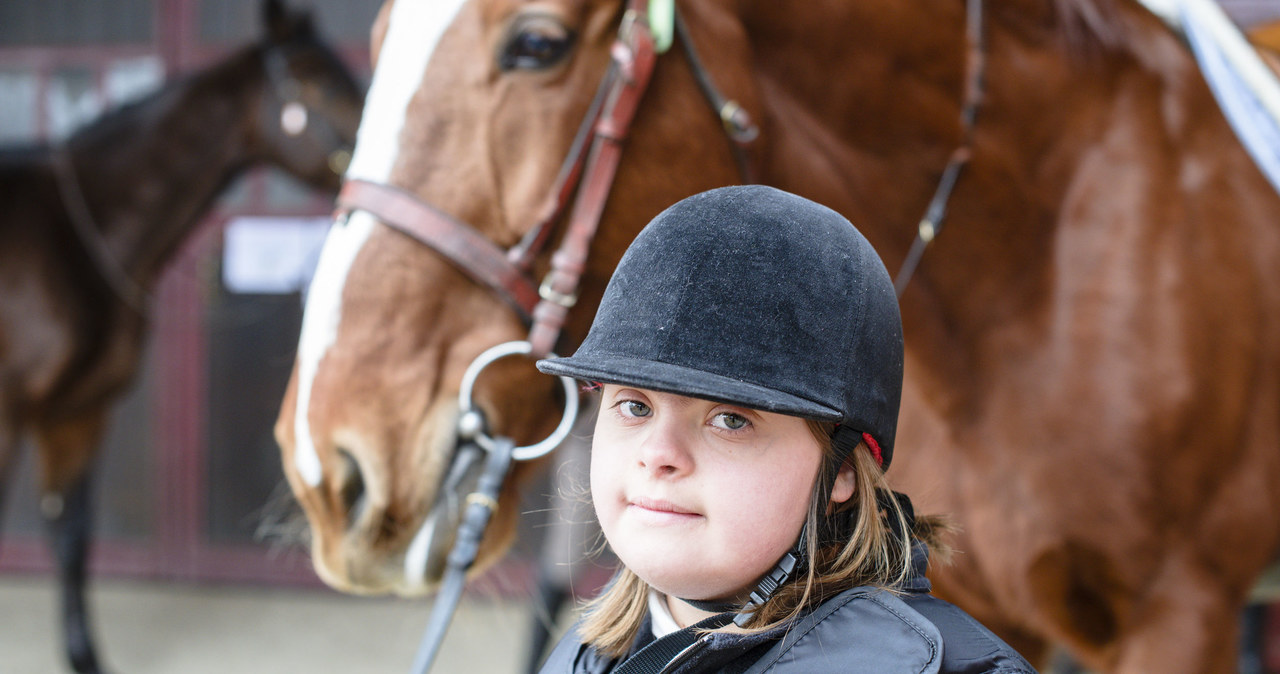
[[665, 452]]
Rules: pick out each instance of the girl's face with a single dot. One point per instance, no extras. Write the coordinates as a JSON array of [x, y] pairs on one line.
[[699, 499]]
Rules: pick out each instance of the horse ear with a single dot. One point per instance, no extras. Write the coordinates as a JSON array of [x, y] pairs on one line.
[[282, 24], [275, 18]]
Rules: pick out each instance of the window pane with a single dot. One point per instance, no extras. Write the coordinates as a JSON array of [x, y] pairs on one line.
[[132, 78], [284, 192], [236, 21], [72, 100], [43, 22], [346, 21], [19, 91]]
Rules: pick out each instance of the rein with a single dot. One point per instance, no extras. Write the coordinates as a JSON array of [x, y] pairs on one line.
[[586, 176], [931, 223], [483, 502], [90, 237]]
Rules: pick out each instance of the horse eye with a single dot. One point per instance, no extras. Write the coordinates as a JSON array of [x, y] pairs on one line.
[[534, 42]]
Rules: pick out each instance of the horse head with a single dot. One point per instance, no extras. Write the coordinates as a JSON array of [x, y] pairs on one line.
[[473, 109], [310, 101]]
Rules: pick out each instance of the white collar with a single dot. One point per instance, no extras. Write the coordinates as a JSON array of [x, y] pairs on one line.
[[660, 617]]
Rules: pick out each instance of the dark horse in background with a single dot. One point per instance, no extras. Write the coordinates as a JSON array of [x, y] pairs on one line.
[[1092, 344], [89, 225]]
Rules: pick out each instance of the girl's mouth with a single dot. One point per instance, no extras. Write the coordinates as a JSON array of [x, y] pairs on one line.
[[660, 508]]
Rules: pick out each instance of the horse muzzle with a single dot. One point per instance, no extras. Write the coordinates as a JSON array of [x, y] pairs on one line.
[[426, 557], [424, 560]]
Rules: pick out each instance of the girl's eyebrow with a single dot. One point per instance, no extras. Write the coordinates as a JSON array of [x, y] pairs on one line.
[[669, 399], [681, 402]]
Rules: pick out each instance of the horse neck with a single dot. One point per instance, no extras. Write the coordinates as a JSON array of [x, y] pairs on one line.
[[149, 171], [872, 141]]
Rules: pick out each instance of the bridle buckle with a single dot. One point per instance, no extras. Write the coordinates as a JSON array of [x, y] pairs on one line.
[[548, 292]]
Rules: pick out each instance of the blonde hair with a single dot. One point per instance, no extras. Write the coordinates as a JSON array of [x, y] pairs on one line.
[[870, 554]]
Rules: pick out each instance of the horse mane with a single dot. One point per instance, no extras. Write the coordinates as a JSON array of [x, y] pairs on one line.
[[1092, 31], [113, 119], [1091, 26], [125, 117], [121, 117]]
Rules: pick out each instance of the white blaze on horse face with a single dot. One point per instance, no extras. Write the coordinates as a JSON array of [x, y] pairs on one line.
[[418, 554], [414, 29]]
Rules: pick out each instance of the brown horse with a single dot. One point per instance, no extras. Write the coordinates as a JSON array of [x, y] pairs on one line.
[[1093, 343], [90, 225]]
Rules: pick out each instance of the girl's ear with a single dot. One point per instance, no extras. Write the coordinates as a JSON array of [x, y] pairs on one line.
[[843, 488]]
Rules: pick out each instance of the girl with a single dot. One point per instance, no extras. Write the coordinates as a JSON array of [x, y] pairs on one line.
[[749, 354]]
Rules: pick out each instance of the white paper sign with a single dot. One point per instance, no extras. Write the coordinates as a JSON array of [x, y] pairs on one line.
[[271, 255]]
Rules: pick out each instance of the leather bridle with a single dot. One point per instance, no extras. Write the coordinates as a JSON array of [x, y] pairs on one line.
[[936, 212], [91, 237], [586, 176]]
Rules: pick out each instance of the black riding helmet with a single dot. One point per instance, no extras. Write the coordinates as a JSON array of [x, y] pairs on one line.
[[756, 297]]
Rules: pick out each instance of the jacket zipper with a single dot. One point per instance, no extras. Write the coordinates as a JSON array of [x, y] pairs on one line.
[[683, 656]]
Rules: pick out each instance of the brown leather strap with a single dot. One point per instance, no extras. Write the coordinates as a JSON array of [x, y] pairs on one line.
[[633, 55], [589, 169], [462, 245], [91, 238], [935, 213], [523, 254]]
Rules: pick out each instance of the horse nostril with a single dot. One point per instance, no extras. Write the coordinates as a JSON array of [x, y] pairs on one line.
[[351, 487]]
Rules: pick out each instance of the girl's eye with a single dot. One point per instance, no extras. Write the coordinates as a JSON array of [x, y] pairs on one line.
[[634, 408], [730, 421]]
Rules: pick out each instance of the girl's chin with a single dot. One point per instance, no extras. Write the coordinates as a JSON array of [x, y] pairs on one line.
[[683, 581]]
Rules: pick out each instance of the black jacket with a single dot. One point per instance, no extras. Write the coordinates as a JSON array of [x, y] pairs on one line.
[[865, 629]]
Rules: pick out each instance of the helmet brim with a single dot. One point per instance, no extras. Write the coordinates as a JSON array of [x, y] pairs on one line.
[[686, 381]]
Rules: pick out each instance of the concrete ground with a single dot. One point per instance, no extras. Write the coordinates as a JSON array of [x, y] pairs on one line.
[[167, 628]]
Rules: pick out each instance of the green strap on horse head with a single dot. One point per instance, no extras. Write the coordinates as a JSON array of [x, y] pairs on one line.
[[662, 23]]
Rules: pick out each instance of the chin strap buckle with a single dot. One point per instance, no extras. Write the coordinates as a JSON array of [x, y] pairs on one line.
[[774, 579]]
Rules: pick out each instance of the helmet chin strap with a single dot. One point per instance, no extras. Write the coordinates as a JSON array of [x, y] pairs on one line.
[[792, 561], [774, 579], [778, 576], [845, 441]]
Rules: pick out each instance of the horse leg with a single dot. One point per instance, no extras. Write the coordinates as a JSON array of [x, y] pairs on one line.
[[1252, 642], [1252, 638], [66, 450], [1187, 624], [8, 447]]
